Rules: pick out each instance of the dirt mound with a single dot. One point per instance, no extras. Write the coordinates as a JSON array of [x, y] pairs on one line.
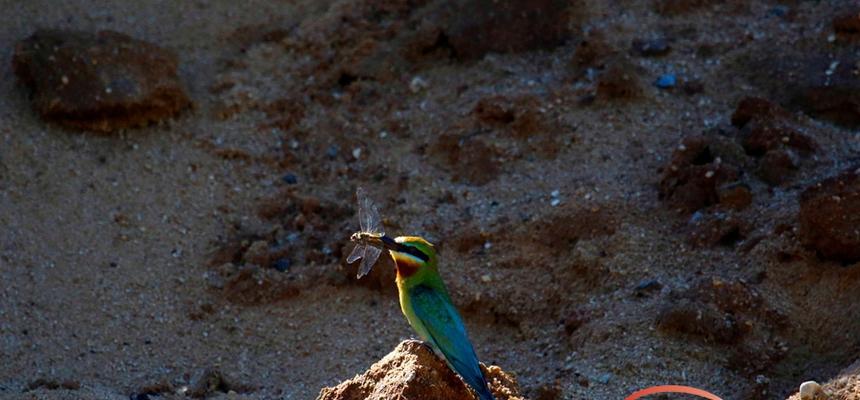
[[413, 371], [846, 386]]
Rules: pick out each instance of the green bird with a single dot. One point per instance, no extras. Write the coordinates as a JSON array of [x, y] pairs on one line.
[[427, 306]]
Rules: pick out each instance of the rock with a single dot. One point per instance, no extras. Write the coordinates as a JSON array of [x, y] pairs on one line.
[[411, 372], [811, 390], [665, 81], [290, 179], [477, 27], [830, 217], [100, 82]]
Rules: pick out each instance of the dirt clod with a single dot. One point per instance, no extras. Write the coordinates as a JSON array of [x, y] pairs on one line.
[[210, 381], [830, 217], [413, 371], [478, 27], [100, 82], [698, 167]]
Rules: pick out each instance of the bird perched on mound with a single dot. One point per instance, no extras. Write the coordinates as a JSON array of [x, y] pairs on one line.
[[428, 308]]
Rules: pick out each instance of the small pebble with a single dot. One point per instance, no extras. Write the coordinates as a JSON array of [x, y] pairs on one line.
[[282, 264], [665, 81], [290, 179], [486, 278], [356, 153], [332, 151], [418, 84], [604, 379], [554, 202]]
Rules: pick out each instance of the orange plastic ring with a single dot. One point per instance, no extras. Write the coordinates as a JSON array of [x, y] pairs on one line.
[[672, 389]]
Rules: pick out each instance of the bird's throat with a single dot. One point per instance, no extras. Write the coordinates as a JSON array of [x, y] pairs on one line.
[[406, 266]]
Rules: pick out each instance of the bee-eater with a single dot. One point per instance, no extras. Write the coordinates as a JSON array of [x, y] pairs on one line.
[[427, 306]]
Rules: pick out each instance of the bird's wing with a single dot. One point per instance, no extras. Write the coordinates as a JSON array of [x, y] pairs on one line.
[[447, 332]]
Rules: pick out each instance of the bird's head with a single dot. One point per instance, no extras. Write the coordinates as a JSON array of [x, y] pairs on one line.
[[411, 254]]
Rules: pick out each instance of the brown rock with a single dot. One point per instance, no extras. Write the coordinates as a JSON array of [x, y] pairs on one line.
[[698, 167], [478, 27], [830, 217], [412, 372], [100, 82]]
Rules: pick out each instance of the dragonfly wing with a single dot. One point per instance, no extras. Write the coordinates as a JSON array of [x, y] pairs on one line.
[[357, 252], [370, 256], [368, 214]]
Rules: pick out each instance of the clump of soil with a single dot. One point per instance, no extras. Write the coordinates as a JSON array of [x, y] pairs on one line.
[[99, 82], [830, 216], [413, 372]]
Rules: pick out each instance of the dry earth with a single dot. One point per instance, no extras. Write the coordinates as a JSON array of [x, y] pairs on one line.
[[599, 233]]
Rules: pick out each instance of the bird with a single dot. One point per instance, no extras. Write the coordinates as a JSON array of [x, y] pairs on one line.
[[428, 308]]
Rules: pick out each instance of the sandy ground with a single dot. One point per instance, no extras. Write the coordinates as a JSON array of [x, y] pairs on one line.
[[112, 249]]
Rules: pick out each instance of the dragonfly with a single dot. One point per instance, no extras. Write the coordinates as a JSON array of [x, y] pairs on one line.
[[370, 238]]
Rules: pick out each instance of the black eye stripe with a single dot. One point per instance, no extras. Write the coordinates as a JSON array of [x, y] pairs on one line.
[[415, 252], [405, 248]]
